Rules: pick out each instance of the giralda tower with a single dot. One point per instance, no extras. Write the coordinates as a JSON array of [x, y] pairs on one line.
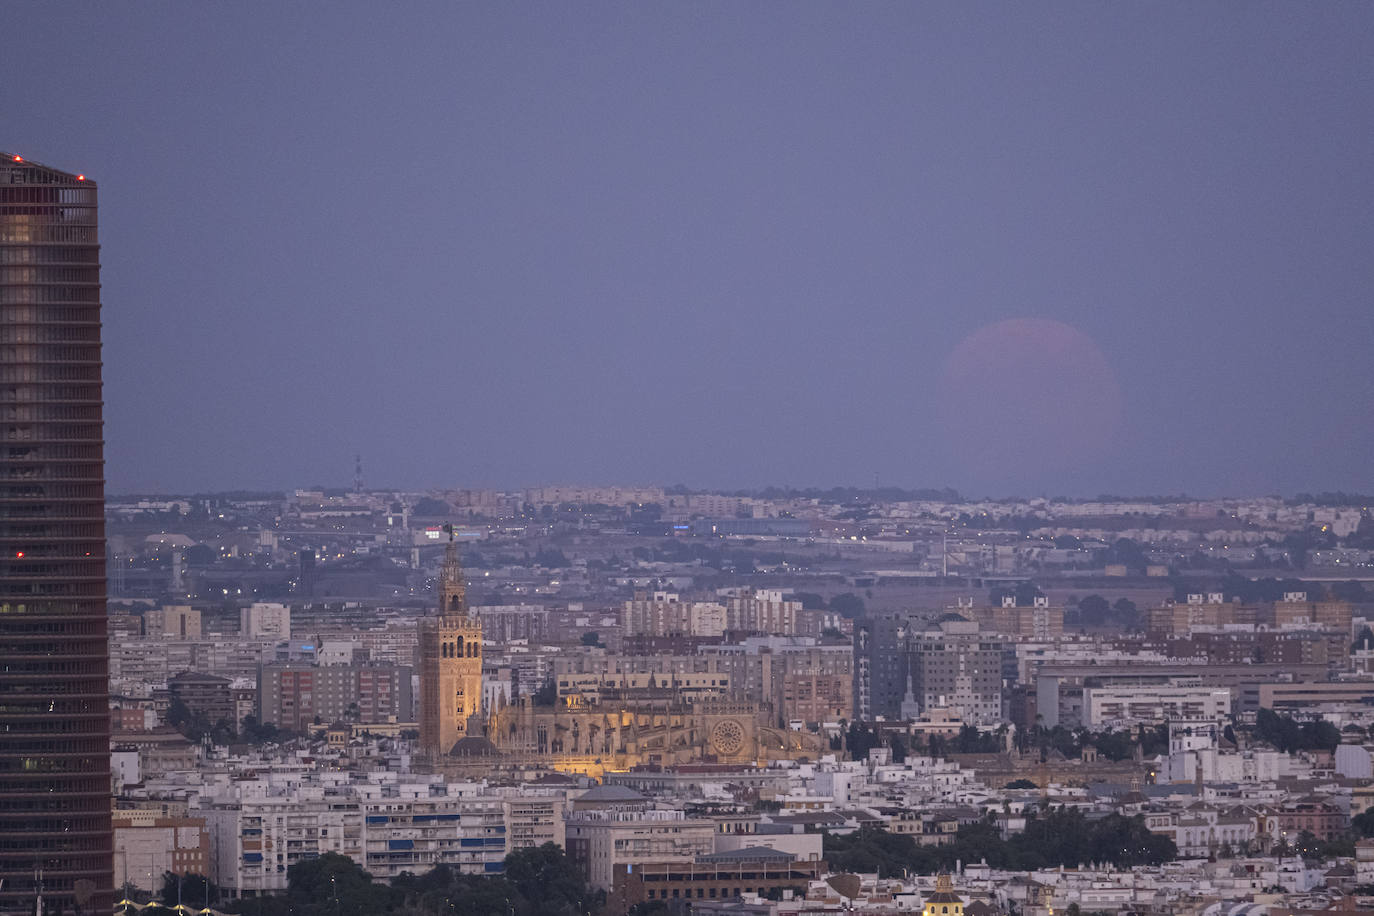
[[450, 662]]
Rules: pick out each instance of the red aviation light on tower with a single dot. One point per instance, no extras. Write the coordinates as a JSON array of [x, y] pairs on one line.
[[80, 177], [18, 158]]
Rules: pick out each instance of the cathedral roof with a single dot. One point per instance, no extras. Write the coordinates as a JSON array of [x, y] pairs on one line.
[[474, 746]]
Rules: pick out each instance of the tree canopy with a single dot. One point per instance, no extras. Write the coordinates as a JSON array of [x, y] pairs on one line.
[[1286, 734], [1059, 837], [540, 881]]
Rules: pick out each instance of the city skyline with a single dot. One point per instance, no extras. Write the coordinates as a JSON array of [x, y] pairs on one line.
[[493, 246], [629, 459]]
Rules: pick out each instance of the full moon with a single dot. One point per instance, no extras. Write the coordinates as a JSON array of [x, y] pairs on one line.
[[1027, 398]]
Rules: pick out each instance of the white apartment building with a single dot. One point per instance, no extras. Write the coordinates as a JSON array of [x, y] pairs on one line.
[[416, 834], [175, 621], [265, 620], [768, 611], [261, 827], [600, 839], [1149, 704], [666, 614], [258, 831]]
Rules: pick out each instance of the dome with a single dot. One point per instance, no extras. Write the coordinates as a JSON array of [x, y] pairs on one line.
[[473, 746]]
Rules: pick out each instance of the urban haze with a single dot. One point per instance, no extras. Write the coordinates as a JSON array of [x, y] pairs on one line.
[[502, 245]]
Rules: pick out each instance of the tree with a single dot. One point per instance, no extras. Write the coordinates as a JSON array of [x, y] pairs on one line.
[[1020, 784], [1128, 553], [548, 881], [193, 725], [971, 741], [1058, 837], [1094, 608], [194, 890], [178, 713], [1126, 614], [848, 605], [591, 638], [870, 850], [429, 506], [550, 558], [547, 694], [334, 884], [1352, 591], [1287, 735], [859, 740], [1363, 641]]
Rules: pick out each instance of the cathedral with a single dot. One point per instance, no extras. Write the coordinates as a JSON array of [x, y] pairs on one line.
[[459, 738]]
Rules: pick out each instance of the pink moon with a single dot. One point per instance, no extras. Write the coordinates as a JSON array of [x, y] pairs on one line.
[[1027, 397]]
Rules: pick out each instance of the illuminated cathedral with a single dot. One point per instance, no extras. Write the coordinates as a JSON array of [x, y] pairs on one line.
[[459, 738]]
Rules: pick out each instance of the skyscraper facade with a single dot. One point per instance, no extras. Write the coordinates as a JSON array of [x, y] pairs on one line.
[[55, 835]]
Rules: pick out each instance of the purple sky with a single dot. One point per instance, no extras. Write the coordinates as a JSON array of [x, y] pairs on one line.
[[719, 244]]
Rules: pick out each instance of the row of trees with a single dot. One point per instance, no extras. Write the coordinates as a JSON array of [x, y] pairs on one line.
[[1118, 744], [1282, 732], [196, 726], [1096, 611], [535, 882], [1058, 837], [859, 738], [1287, 735]]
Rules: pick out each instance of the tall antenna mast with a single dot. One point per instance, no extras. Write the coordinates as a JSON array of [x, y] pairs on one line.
[[357, 473]]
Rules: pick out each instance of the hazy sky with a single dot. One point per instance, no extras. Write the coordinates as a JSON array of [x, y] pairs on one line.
[[723, 244]]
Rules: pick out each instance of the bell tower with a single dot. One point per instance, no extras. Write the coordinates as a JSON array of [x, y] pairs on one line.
[[450, 661], [453, 598]]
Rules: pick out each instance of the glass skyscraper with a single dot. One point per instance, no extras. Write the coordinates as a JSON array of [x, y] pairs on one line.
[[55, 834]]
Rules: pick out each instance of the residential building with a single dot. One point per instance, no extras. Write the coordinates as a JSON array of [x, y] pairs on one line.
[[1119, 704], [204, 695], [665, 614], [295, 695], [602, 839], [956, 666], [714, 876], [1037, 621], [148, 845], [176, 621], [265, 620], [882, 666], [768, 611]]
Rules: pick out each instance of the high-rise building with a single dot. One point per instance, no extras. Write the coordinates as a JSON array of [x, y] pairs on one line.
[[903, 665], [55, 831], [882, 666], [450, 655], [954, 666]]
